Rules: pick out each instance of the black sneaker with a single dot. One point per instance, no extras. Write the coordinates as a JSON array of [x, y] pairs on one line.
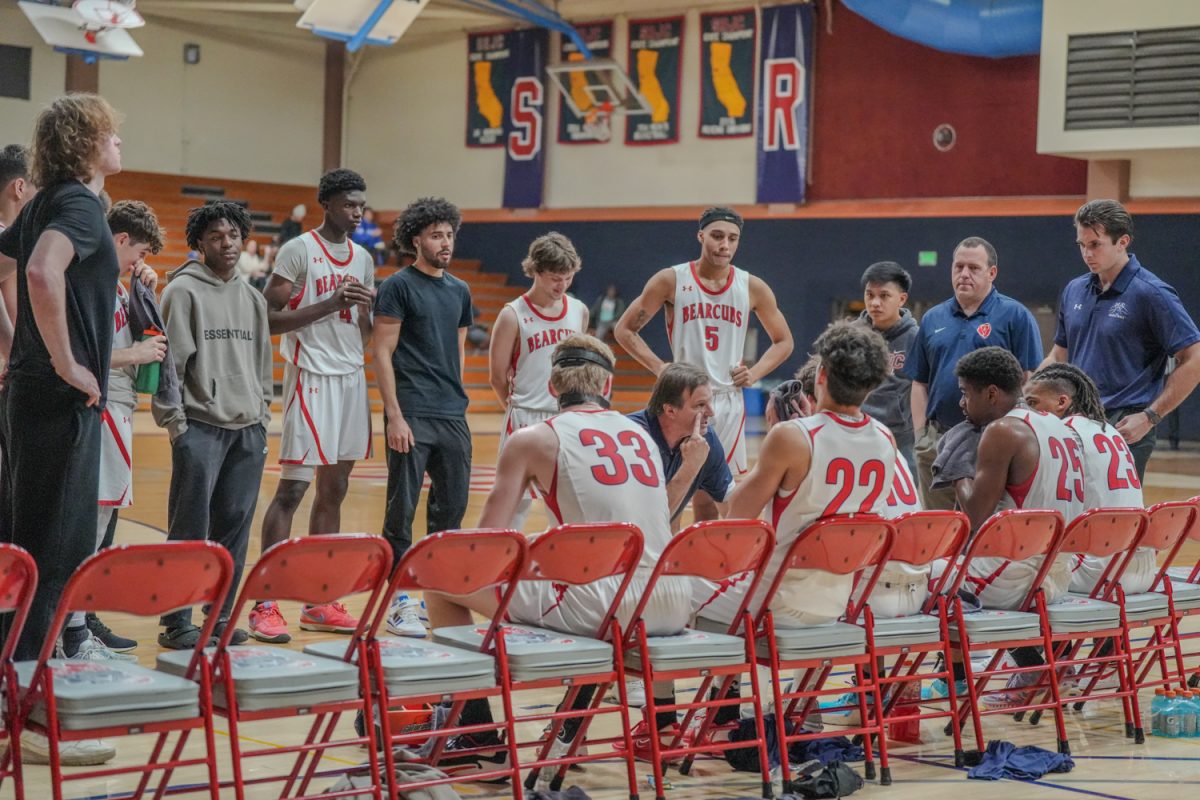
[[118, 644], [239, 636], [184, 637], [472, 763]]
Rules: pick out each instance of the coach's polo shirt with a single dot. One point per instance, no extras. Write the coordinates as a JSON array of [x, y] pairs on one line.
[[1123, 335], [714, 477], [947, 334]]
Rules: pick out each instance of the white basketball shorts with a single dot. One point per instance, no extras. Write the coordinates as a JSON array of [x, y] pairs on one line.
[[729, 422], [326, 419], [116, 456]]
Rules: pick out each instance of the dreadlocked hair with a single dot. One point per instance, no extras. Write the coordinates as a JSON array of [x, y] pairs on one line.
[[1070, 380]]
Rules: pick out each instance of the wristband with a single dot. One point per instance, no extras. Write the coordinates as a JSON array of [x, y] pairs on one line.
[[1152, 415]]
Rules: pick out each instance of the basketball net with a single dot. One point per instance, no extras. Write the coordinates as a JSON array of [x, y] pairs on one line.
[[597, 121]]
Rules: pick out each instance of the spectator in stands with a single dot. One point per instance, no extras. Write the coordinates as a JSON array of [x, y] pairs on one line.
[[368, 236], [252, 266], [292, 226], [607, 309], [1120, 323], [15, 191]]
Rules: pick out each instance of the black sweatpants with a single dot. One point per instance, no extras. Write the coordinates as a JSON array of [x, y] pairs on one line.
[[50, 490], [215, 477], [441, 448]]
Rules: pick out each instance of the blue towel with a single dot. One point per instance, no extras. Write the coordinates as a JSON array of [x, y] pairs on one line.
[[1006, 760]]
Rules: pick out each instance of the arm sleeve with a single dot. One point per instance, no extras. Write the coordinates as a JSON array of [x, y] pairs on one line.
[[389, 302], [291, 262], [1172, 326], [916, 365], [177, 315], [266, 362], [715, 477], [465, 319], [79, 217], [1027, 340]]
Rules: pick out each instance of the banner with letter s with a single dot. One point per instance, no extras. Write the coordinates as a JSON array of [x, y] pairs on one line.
[[489, 80], [785, 63], [655, 63], [525, 123], [599, 38], [727, 41]]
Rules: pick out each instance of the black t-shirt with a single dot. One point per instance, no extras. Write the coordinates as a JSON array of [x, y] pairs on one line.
[[430, 310], [71, 209]]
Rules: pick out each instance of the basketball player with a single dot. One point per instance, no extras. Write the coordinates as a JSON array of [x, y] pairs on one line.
[[1109, 472], [525, 333], [319, 298], [791, 478], [560, 459], [708, 304]]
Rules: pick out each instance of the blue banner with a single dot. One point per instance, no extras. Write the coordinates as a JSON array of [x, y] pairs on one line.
[[525, 124], [784, 65]]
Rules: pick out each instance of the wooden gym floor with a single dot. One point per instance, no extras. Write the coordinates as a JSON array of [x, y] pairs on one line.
[[1107, 765]]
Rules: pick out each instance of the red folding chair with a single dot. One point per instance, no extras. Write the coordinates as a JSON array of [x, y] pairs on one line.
[[1013, 535], [1113, 534], [1185, 590], [856, 545], [921, 537], [406, 671], [1155, 614], [72, 700], [720, 551], [587, 663], [255, 682], [18, 581]]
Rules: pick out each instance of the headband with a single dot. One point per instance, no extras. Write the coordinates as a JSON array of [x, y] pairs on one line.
[[579, 357], [719, 215]]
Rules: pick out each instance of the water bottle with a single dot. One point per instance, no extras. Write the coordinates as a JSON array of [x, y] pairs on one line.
[[1172, 713], [148, 374], [1156, 712], [1188, 717]]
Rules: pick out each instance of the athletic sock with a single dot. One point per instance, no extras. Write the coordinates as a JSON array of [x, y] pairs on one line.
[[960, 672], [73, 637], [664, 719], [571, 726], [1027, 657], [478, 712]]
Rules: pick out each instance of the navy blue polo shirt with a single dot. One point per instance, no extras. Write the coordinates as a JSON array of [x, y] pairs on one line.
[[714, 477], [947, 334], [1122, 336]]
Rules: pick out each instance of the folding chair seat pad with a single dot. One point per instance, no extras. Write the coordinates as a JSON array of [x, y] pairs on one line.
[[817, 641], [691, 649], [417, 666], [275, 677], [1146, 605], [1079, 613], [1179, 574], [99, 694], [898, 631], [1187, 595], [536, 652], [991, 625]]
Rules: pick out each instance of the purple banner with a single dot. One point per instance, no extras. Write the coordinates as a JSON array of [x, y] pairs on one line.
[[785, 62], [525, 124]]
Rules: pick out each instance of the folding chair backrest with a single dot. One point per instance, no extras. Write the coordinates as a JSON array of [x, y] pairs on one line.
[[715, 550], [18, 581], [148, 580], [584, 552], [1194, 535], [923, 537], [1170, 524], [318, 570], [1016, 534], [461, 563], [1103, 533], [841, 545]]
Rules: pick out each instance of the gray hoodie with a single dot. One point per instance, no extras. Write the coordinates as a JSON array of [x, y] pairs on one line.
[[218, 338], [891, 402]]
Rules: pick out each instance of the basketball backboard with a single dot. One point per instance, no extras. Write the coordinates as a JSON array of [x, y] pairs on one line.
[[67, 31], [359, 22], [594, 83]]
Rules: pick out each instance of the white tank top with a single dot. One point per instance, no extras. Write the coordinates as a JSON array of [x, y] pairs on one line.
[[610, 469], [1057, 482], [903, 498], [121, 380], [536, 337], [333, 344], [1110, 477], [706, 328]]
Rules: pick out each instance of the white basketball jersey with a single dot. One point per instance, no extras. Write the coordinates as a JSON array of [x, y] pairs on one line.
[[903, 498], [537, 335], [1110, 477], [610, 469], [707, 328], [333, 344], [121, 379], [1057, 483]]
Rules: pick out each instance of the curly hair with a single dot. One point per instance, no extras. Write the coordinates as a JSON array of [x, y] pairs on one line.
[[198, 220], [419, 216], [339, 180], [551, 252], [136, 219], [14, 164], [991, 366], [855, 360], [67, 135], [1076, 384]]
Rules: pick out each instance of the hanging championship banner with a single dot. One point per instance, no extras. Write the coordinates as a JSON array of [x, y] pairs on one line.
[[489, 82], [571, 128], [655, 62], [525, 125], [783, 107], [727, 43]]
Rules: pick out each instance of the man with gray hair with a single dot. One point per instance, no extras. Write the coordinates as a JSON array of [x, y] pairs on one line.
[[678, 419]]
